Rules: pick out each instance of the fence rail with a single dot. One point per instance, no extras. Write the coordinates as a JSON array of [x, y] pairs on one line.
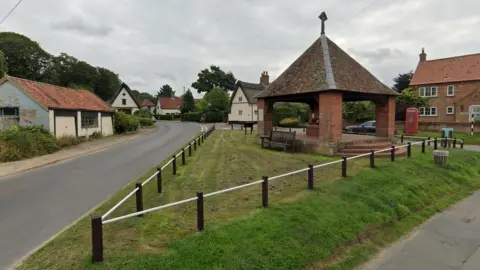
[[98, 222]]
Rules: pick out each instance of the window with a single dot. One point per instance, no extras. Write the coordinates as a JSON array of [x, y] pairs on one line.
[[429, 91], [124, 101], [428, 111], [255, 112], [450, 90], [89, 120], [9, 111], [450, 110], [240, 99], [240, 112]]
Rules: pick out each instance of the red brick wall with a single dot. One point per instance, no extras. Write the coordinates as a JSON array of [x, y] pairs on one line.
[[330, 116], [385, 117], [442, 101]]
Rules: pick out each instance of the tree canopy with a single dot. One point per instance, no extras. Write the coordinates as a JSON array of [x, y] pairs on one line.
[[402, 81], [408, 99], [3, 65], [166, 91], [214, 77], [188, 104], [359, 111], [215, 100]]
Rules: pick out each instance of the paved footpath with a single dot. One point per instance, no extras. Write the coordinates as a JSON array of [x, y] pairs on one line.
[[37, 204], [450, 240]]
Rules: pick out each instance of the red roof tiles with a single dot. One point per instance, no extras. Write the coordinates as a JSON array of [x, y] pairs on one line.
[[57, 97], [453, 69], [147, 103], [170, 103]]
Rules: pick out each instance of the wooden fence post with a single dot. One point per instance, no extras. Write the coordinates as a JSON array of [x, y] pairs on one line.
[[97, 239], [200, 217], [139, 198], [409, 150], [461, 144], [310, 176], [428, 139], [392, 154], [159, 180], [183, 157], [401, 138], [435, 144], [174, 164], [190, 150], [423, 146], [195, 145], [199, 140], [372, 159], [265, 191], [454, 142], [344, 167]]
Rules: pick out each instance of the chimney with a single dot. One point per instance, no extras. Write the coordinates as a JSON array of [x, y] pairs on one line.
[[423, 56], [265, 79]]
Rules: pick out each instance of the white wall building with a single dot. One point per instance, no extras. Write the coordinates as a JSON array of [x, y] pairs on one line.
[[243, 104], [124, 100]]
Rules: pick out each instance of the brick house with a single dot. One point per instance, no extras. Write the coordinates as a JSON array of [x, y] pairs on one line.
[[452, 86]]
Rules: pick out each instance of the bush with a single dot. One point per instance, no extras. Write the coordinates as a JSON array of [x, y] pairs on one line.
[[167, 117], [125, 123], [145, 121], [143, 112], [66, 141], [289, 122], [210, 116], [24, 142], [192, 116], [96, 135]]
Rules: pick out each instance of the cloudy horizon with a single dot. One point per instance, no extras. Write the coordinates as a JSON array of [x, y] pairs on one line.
[[150, 43]]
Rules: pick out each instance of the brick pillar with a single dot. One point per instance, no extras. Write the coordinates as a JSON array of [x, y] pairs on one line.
[[265, 116], [330, 116], [385, 116]]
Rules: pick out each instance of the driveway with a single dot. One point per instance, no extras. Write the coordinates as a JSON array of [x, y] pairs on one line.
[[35, 205]]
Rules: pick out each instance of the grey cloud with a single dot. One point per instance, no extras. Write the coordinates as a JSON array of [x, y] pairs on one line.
[[81, 25], [166, 76], [378, 55]]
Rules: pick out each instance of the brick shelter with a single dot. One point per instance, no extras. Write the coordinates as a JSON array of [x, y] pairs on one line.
[[324, 77]]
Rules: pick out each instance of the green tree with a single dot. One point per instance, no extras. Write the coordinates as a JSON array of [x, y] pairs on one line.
[[63, 68], [359, 111], [402, 81], [214, 77], [107, 84], [283, 110], [3, 65], [215, 100], [145, 95], [25, 58], [188, 103], [166, 91], [84, 74], [407, 99]]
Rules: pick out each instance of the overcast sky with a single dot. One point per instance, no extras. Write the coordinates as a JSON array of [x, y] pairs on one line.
[[151, 42]]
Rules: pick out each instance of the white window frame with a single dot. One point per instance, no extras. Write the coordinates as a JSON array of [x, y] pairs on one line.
[[428, 88], [240, 112], [240, 99], [429, 110], [453, 91], [452, 108]]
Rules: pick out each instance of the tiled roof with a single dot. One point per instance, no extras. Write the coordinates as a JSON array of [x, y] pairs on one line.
[[56, 97], [250, 90], [147, 103], [453, 69], [170, 103], [325, 66]]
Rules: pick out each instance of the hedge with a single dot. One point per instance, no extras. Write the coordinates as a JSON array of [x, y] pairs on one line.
[[167, 117], [289, 122], [125, 122]]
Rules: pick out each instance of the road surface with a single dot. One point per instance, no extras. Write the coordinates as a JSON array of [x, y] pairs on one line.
[[35, 205]]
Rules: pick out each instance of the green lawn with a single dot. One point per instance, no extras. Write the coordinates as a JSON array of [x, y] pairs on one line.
[[469, 139], [337, 226]]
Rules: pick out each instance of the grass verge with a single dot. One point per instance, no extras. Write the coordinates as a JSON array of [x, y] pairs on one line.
[[466, 137]]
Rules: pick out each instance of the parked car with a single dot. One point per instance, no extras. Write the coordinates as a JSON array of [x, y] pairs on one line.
[[364, 128]]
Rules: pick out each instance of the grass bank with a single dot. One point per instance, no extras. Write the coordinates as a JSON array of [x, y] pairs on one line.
[[337, 226]]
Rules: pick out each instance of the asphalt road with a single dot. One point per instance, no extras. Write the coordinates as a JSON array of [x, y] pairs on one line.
[[37, 204]]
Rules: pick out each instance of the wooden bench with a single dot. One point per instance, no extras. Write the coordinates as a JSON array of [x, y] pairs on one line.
[[281, 139]]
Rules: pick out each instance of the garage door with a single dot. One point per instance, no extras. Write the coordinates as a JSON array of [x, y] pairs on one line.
[[107, 127], [64, 126]]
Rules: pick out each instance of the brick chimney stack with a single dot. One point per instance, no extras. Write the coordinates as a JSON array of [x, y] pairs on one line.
[[423, 56], [265, 79]]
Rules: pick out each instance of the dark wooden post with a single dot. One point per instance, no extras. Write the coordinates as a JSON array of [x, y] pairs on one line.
[[409, 150], [195, 145], [200, 217], [454, 142], [372, 159], [392, 154], [200, 140], [231, 126], [251, 129], [174, 164], [97, 239], [159, 180], [139, 198], [265, 191], [428, 139], [423, 146], [190, 150], [445, 141], [245, 130], [344, 167], [401, 139], [310, 176], [435, 144], [461, 144], [183, 157]]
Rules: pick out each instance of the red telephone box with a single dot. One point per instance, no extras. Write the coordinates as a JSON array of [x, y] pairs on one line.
[[411, 121]]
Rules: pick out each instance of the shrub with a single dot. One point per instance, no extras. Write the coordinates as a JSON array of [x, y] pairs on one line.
[[143, 112], [214, 117], [125, 123], [96, 135], [167, 117], [289, 122], [145, 121], [192, 116], [66, 141]]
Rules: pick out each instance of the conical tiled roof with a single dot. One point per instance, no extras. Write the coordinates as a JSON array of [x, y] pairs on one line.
[[325, 66]]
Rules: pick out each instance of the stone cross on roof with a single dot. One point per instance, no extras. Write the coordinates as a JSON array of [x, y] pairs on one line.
[[323, 17]]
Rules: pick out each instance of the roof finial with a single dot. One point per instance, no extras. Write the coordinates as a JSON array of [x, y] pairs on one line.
[[323, 17]]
